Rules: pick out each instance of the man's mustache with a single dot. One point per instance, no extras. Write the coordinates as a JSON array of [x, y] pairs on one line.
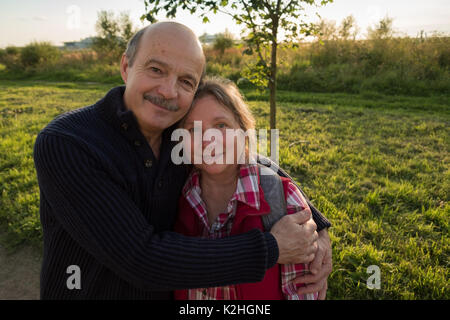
[[167, 104]]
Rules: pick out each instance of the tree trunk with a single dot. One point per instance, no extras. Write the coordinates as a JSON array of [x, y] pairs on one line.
[[273, 78], [273, 91]]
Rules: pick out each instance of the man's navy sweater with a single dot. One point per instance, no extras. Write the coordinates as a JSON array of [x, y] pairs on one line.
[[107, 205]]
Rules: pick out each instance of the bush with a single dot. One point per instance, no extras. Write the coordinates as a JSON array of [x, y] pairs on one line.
[[444, 58], [2, 55], [38, 55], [12, 51], [223, 70], [10, 57], [222, 42]]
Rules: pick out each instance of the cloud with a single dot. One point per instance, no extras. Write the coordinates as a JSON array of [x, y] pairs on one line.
[[40, 18], [34, 18]]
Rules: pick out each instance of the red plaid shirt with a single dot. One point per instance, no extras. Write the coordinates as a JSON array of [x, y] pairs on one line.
[[247, 191]]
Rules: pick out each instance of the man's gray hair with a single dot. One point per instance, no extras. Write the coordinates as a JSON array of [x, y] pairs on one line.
[[133, 45]]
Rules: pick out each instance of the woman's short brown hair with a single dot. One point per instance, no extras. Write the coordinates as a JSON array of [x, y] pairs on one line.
[[229, 96]]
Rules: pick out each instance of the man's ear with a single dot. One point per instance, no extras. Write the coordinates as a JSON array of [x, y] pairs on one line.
[[124, 68]]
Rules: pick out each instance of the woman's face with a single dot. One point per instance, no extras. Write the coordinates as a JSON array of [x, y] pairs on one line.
[[215, 120]]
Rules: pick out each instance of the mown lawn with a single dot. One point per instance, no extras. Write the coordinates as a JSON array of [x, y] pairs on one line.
[[377, 166]]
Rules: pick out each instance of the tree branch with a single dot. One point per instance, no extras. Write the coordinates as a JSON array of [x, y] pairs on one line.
[[287, 6], [253, 27]]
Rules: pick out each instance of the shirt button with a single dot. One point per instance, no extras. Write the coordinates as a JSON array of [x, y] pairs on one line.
[[137, 143], [124, 126], [148, 163], [160, 184]]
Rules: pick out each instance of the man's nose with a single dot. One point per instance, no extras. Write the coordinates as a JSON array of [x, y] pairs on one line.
[[168, 88]]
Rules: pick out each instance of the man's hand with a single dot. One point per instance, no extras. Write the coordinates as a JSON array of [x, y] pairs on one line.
[[296, 238], [320, 268]]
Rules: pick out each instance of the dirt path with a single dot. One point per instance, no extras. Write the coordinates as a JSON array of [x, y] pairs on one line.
[[19, 274]]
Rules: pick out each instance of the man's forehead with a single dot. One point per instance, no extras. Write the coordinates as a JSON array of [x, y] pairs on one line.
[[166, 33], [168, 48], [168, 27]]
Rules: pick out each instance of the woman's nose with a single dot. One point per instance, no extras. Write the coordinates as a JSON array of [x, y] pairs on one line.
[[212, 136], [205, 143]]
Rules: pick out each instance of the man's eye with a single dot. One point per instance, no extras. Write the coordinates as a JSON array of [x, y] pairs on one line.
[[156, 70], [187, 83]]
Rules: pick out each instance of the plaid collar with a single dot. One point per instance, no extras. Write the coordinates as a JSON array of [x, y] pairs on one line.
[[247, 191]]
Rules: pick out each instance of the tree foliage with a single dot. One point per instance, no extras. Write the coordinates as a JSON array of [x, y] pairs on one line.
[[348, 28], [263, 20], [382, 30], [223, 41], [113, 33], [327, 29]]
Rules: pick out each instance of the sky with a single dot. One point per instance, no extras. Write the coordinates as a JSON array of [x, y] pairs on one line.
[[24, 21]]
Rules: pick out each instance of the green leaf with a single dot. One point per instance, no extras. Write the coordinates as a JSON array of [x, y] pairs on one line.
[[248, 51]]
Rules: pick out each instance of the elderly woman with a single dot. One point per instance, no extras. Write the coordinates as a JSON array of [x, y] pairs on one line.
[[223, 198]]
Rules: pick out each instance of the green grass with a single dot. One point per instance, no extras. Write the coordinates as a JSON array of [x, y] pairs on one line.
[[95, 72], [377, 166], [25, 108]]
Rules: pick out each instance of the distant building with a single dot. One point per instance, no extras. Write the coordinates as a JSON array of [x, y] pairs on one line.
[[82, 44], [207, 38]]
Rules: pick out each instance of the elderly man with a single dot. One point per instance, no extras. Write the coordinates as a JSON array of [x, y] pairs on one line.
[[109, 191]]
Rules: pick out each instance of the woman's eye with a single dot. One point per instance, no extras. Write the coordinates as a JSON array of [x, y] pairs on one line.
[[221, 125]]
